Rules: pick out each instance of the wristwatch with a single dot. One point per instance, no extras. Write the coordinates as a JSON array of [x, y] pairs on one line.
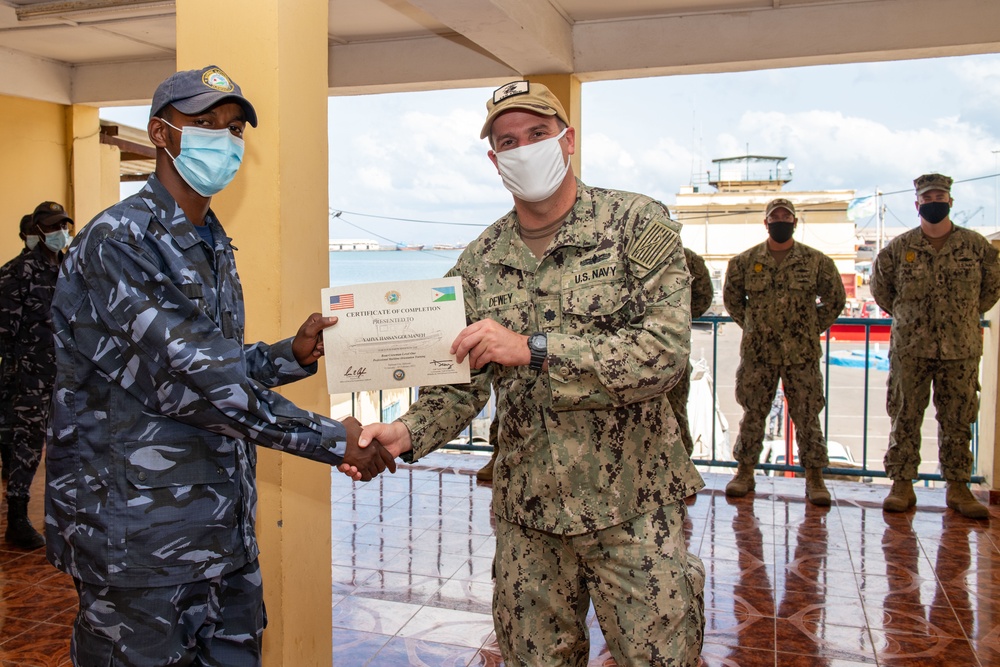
[[538, 345]]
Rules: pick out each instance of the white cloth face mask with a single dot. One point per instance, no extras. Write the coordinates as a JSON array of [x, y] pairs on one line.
[[534, 172]]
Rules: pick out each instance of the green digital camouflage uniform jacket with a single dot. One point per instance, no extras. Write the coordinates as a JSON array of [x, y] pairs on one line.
[[937, 298], [592, 441], [775, 304]]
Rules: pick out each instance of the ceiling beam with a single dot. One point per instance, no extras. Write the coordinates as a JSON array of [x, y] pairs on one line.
[[529, 36], [34, 78], [792, 35], [120, 84], [427, 63]]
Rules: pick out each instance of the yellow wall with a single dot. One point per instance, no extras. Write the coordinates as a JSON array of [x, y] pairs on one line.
[[33, 167], [110, 184]]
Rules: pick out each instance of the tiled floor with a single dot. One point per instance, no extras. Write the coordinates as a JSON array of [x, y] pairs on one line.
[[787, 583]]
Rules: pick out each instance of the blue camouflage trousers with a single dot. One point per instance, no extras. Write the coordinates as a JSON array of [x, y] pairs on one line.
[[647, 591], [956, 400], [756, 384], [26, 421], [212, 623]]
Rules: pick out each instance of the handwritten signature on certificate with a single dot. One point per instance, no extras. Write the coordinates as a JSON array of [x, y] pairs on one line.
[[394, 334]]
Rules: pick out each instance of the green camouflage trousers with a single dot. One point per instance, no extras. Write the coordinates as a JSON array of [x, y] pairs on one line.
[[217, 622], [647, 590], [756, 384], [956, 400], [678, 397]]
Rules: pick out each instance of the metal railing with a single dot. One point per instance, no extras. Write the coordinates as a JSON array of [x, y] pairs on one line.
[[715, 321]]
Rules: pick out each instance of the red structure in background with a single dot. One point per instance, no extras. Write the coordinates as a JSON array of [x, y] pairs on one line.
[[856, 333]]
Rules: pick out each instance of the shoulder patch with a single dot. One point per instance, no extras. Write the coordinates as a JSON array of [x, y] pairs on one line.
[[656, 242]]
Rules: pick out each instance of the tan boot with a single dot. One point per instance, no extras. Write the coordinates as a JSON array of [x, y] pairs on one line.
[[960, 499], [485, 474], [901, 497], [743, 483], [816, 488]]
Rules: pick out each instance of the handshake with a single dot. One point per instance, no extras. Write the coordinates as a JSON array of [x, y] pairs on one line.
[[373, 448]]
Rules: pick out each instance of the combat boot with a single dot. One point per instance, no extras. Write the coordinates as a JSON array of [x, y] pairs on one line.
[[901, 497], [743, 483], [960, 499], [485, 474], [20, 532], [816, 488]]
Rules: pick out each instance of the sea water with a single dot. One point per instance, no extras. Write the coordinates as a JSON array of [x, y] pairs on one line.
[[377, 266]]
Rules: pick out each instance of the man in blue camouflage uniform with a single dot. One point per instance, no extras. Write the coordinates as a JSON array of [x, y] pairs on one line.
[[935, 281], [7, 369], [784, 295], [159, 405], [579, 303], [26, 288]]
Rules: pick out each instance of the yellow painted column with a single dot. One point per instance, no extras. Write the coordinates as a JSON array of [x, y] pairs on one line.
[[567, 88], [83, 138], [34, 165], [276, 212]]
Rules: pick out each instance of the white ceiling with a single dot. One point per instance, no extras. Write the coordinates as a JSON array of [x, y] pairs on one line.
[[115, 51]]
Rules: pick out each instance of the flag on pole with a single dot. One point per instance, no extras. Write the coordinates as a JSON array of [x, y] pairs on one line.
[[861, 207]]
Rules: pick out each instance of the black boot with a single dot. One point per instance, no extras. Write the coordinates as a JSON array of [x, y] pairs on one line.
[[20, 532]]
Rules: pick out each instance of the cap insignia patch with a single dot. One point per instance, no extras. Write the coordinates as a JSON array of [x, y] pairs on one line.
[[216, 78], [509, 90]]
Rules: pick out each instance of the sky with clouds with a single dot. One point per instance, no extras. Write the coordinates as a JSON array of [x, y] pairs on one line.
[[400, 160]]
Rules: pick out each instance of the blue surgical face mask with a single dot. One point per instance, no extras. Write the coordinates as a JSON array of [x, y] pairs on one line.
[[30, 241], [209, 159], [57, 241]]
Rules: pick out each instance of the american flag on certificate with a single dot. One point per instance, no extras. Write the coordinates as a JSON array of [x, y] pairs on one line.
[[341, 301]]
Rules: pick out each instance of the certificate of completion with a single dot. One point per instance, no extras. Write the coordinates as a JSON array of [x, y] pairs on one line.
[[392, 335]]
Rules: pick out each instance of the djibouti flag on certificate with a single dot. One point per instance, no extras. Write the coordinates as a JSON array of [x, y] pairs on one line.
[[443, 294]]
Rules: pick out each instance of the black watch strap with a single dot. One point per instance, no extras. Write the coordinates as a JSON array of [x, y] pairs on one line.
[[539, 348]]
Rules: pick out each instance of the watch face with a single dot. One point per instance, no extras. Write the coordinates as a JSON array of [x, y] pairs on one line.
[[537, 342]]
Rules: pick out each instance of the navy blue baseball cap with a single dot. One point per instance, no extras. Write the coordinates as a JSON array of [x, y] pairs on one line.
[[196, 90]]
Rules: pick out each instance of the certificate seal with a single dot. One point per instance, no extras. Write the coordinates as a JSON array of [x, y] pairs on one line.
[[398, 374], [392, 297]]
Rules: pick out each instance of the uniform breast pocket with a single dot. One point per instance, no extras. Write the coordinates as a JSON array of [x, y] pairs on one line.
[[195, 292], [758, 282], [913, 281], [181, 500], [600, 307], [516, 317]]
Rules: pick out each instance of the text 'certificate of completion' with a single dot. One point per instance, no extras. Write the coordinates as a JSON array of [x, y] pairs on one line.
[[393, 335]]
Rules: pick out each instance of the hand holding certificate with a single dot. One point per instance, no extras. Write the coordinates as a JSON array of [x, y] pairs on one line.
[[392, 335]]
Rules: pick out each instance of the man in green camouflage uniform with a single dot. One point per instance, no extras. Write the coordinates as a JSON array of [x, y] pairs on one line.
[[784, 295], [935, 281], [701, 301], [579, 303]]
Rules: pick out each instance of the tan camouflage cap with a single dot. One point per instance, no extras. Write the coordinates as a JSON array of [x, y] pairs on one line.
[[525, 95], [929, 182], [779, 203]]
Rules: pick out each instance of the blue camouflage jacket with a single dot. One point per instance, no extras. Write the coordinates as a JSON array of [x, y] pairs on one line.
[[158, 404]]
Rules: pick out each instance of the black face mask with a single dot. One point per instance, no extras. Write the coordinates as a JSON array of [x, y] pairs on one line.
[[780, 231], [935, 211]]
